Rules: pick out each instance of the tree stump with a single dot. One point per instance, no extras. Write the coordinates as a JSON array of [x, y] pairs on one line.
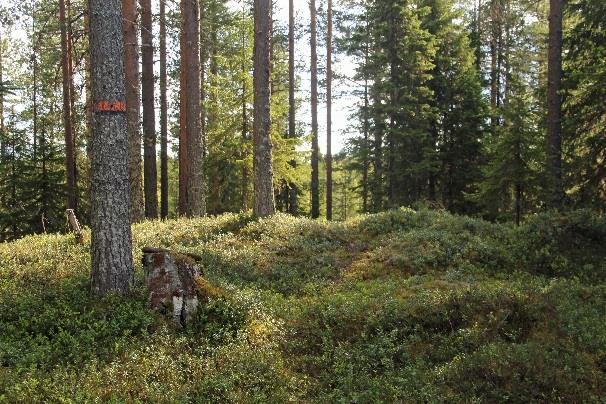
[[171, 279], [74, 225]]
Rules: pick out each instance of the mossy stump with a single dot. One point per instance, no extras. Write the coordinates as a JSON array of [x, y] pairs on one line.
[[172, 279]]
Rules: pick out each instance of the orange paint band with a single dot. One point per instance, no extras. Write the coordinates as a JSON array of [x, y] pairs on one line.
[[110, 106]]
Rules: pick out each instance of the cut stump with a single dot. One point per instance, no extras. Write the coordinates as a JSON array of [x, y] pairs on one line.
[[171, 278]]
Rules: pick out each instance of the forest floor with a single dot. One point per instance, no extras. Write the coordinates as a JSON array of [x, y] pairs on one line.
[[399, 306]]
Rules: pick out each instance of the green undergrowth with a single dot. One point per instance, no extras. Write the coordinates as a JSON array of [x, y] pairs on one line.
[[401, 306]]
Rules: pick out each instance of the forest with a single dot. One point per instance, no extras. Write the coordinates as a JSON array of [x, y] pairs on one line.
[[360, 201]]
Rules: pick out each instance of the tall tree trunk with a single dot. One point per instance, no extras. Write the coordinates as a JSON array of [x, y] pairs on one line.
[[131, 65], [329, 114], [264, 203], [112, 260], [163, 116], [494, 57], [70, 160], [72, 94], [35, 98], [183, 158], [365, 149], [150, 173], [245, 125], [196, 204], [89, 102], [203, 59], [315, 152], [292, 107], [377, 161], [2, 141], [554, 103]]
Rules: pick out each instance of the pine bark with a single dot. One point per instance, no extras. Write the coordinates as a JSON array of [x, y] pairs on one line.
[[150, 172], [131, 64], [554, 103], [183, 160], [329, 114], [203, 58], [293, 205], [264, 203], [494, 71], [163, 116], [195, 198], [70, 155], [2, 143], [315, 152], [112, 261]]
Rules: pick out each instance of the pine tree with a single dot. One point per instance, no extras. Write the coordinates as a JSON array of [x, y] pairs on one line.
[[150, 175], [112, 261], [554, 102], [66, 69], [194, 196], [315, 152], [329, 113], [131, 64], [264, 204], [163, 116]]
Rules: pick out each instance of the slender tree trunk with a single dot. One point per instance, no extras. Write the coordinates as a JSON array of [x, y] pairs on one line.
[[264, 203], [315, 152], [163, 116], [203, 59], [365, 149], [245, 173], [183, 158], [377, 161], [72, 95], [554, 103], [70, 161], [494, 73], [212, 66], [112, 260], [292, 107], [150, 173], [244, 140], [2, 141], [131, 64], [196, 204], [35, 99], [329, 114], [88, 100]]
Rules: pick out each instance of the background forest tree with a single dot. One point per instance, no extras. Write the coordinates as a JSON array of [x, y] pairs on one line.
[[452, 109]]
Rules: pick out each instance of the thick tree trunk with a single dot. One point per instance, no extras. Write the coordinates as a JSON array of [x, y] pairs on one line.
[[131, 65], [329, 114], [315, 152], [163, 116], [293, 206], [196, 204], [150, 173], [70, 155], [112, 261], [264, 203], [554, 104]]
